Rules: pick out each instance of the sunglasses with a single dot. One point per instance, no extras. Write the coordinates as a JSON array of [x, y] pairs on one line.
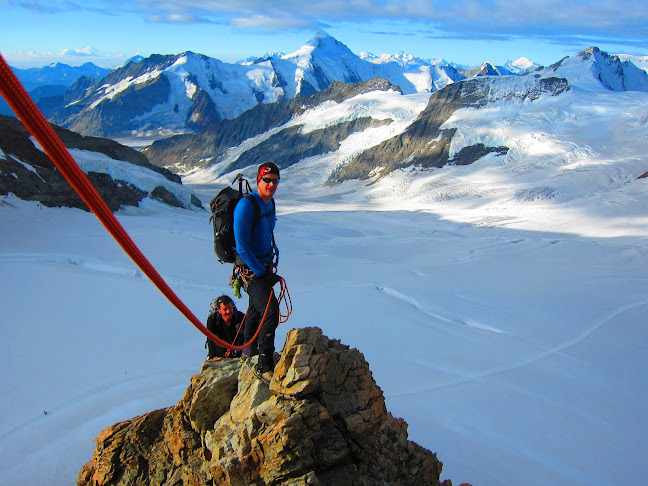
[[267, 180]]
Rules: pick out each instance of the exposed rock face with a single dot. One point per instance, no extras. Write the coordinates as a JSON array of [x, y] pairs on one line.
[[117, 114], [322, 421], [486, 69], [29, 174], [425, 144], [290, 145], [112, 149], [200, 150]]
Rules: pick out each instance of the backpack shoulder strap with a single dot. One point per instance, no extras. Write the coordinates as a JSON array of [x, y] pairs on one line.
[[257, 210]]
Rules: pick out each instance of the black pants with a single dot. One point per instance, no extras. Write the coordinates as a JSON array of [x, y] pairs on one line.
[[259, 292]]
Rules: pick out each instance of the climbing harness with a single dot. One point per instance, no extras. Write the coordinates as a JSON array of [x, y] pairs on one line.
[[24, 107], [242, 276]]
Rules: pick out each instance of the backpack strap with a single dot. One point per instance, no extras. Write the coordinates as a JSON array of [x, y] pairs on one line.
[[257, 211]]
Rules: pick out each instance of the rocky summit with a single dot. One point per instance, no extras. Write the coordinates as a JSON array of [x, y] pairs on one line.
[[321, 421]]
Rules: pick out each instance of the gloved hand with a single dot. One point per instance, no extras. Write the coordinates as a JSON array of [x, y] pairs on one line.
[[271, 277]]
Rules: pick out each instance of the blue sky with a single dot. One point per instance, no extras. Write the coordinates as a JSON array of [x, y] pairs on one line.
[[35, 33]]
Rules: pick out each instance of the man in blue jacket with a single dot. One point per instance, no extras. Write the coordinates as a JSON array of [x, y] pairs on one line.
[[258, 256]]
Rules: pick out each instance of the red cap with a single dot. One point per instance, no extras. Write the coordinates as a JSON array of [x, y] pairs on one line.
[[267, 168]]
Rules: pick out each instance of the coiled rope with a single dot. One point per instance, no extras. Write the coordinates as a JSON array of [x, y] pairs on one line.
[[284, 296], [27, 111]]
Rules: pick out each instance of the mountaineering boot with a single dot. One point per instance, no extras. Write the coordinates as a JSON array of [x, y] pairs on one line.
[[265, 377]]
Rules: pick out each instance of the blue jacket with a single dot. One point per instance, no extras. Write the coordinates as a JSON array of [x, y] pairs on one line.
[[255, 248]]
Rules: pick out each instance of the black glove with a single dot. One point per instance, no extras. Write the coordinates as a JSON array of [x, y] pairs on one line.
[[271, 277]]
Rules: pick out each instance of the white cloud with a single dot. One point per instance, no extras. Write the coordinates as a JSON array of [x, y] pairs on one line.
[[479, 19], [272, 23], [84, 52], [70, 56], [183, 18]]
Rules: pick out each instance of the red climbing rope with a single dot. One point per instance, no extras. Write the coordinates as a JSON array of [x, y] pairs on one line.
[[24, 107]]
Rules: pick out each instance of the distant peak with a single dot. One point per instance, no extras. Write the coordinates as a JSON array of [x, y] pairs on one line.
[[591, 49], [322, 39], [589, 52], [522, 62], [322, 35]]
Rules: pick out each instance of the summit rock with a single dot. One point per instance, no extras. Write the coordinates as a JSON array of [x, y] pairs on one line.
[[322, 421]]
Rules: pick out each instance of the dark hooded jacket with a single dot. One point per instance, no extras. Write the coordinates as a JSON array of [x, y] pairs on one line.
[[216, 325]]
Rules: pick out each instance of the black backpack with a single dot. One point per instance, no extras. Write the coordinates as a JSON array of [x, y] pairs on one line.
[[222, 218]]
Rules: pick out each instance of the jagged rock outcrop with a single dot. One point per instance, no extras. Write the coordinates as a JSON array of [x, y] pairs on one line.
[[29, 174], [486, 69], [425, 144], [322, 421]]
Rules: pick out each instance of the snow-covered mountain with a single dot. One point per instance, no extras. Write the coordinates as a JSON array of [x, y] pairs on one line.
[[592, 68], [517, 67], [136, 58], [371, 134], [256, 59], [486, 69], [267, 130], [166, 94], [189, 91], [639, 61], [58, 74], [520, 66], [401, 58], [517, 281], [51, 81]]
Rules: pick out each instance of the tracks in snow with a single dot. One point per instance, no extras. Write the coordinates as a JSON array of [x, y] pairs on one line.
[[93, 265]]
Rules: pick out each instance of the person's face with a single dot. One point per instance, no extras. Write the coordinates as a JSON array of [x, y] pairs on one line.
[[268, 186], [226, 311]]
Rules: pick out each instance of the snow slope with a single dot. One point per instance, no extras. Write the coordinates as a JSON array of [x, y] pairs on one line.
[[501, 305], [587, 144], [518, 355]]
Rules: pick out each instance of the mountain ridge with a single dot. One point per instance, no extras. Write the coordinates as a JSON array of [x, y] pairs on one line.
[[57, 74], [412, 146], [188, 92], [174, 84]]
